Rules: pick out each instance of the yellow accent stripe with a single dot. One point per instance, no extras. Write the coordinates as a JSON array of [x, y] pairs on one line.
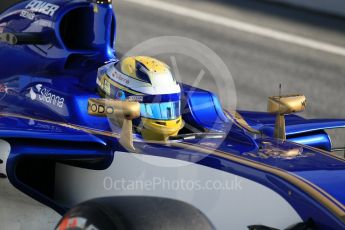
[[323, 198]]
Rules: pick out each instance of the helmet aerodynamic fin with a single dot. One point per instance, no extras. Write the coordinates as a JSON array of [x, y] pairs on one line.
[[142, 72]]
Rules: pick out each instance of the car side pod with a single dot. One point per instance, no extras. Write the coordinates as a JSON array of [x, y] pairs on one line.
[[121, 113], [283, 105]]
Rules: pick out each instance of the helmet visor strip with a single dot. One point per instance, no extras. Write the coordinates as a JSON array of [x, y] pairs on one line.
[[161, 111]]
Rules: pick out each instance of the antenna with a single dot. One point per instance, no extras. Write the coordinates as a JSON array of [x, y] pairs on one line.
[[280, 95], [344, 151]]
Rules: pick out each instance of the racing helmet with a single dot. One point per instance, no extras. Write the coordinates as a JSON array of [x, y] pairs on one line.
[[150, 82]]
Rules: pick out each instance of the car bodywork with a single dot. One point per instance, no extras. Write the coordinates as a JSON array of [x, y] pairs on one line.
[[55, 152]]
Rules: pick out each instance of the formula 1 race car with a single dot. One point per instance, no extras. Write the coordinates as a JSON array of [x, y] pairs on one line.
[[120, 144]]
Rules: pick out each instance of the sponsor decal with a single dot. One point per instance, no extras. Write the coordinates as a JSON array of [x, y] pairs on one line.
[[5, 90], [120, 95], [120, 78], [95, 8], [42, 7], [40, 125], [44, 23], [45, 95], [2, 27], [27, 14], [101, 109], [75, 223], [304, 103], [106, 86], [136, 98]]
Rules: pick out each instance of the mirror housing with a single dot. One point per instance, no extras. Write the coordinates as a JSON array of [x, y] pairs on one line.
[[286, 104], [123, 112], [283, 105]]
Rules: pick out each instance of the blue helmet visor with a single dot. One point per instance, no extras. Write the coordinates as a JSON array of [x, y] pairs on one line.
[[161, 111]]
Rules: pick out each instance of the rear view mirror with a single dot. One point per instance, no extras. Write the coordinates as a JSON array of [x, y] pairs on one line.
[[282, 105], [121, 111], [286, 104]]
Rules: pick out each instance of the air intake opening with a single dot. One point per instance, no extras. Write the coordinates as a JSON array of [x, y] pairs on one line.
[[112, 33], [76, 29]]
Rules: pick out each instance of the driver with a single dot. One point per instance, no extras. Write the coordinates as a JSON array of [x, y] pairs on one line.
[[150, 82]]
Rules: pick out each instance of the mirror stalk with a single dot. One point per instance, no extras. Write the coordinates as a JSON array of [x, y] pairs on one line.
[[126, 137], [284, 105], [280, 128]]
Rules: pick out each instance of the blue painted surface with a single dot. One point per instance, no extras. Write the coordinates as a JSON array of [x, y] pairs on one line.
[[92, 38], [328, 181], [22, 150], [43, 103], [305, 206], [304, 131], [319, 139], [294, 124], [203, 110]]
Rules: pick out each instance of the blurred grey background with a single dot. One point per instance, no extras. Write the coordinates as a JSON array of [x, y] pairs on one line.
[[258, 63]]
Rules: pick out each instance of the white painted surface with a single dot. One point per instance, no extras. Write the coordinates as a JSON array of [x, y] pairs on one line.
[[241, 26], [243, 203]]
